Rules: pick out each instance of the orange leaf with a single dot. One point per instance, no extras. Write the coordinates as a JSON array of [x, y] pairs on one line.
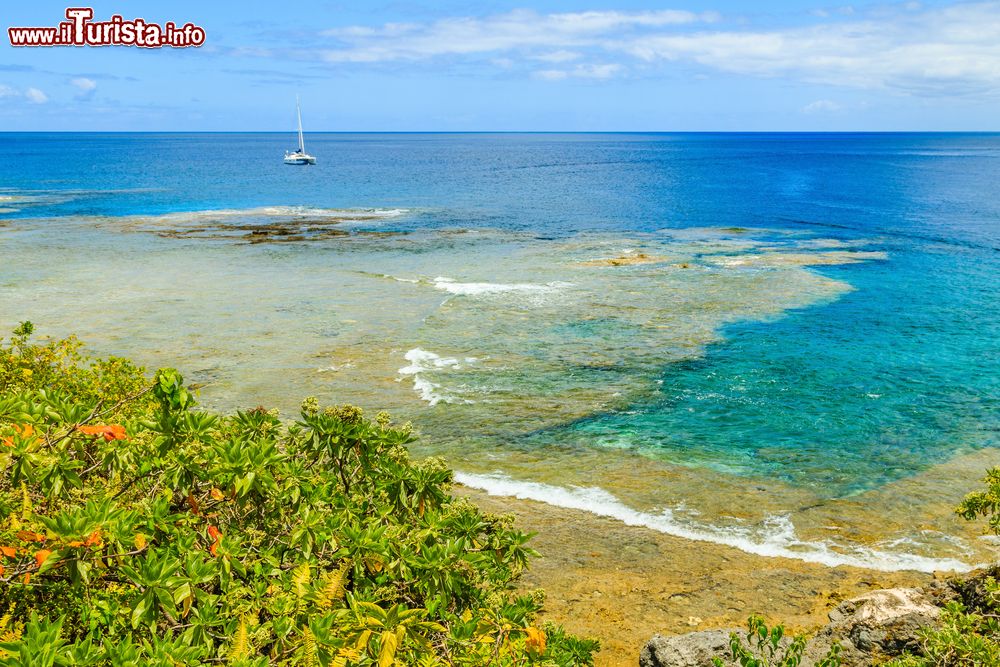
[[140, 541], [29, 536], [94, 540], [9, 552], [41, 555], [74, 543], [216, 494], [24, 431], [534, 640], [216, 536], [107, 431], [1, 570], [27, 578], [192, 503]]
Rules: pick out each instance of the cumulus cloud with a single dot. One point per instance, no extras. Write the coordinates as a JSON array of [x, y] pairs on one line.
[[907, 48], [84, 84], [33, 95], [36, 96]]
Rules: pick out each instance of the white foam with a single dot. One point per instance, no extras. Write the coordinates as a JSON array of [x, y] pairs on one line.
[[422, 362], [475, 289], [775, 538], [282, 212]]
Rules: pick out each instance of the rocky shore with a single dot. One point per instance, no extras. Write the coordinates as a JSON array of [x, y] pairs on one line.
[[870, 629], [624, 584]]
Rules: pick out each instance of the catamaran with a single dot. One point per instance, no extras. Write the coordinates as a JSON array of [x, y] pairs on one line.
[[300, 156]]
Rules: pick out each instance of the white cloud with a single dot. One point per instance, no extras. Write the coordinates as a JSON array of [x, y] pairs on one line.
[[517, 30], [36, 96], [7, 91], [821, 106], [84, 84], [954, 50], [909, 48], [598, 71], [552, 74], [558, 56]]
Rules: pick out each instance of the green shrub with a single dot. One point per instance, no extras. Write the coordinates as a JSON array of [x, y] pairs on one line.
[[764, 647], [136, 529]]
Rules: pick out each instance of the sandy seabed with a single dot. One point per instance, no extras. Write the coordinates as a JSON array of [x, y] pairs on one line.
[[624, 584]]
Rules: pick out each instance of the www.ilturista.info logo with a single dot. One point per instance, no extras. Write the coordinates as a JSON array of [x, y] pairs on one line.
[[80, 30]]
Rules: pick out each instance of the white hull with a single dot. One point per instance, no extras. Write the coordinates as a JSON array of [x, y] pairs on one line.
[[294, 158]]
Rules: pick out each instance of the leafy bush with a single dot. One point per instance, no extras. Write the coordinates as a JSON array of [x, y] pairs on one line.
[[765, 647], [136, 529]]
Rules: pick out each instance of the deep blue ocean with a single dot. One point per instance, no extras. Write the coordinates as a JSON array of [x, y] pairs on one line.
[[844, 395]]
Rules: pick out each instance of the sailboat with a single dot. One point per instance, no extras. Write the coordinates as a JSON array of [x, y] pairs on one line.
[[300, 156]]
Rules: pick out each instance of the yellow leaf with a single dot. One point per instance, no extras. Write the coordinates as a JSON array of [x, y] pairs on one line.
[[140, 541], [331, 588], [388, 652]]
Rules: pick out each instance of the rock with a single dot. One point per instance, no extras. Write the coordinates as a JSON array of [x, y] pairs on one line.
[[870, 629], [694, 649], [875, 626]]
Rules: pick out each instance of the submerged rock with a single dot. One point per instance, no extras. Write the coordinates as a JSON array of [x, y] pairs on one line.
[[869, 629]]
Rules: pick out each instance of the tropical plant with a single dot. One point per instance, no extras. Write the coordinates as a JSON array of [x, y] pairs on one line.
[[768, 647], [138, 529]]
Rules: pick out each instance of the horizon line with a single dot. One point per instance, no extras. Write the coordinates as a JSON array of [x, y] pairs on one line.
[[3, 131]]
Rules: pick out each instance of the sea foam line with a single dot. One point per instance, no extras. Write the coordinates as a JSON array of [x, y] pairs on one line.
[[777, 539], [473, 289], [283, 212]]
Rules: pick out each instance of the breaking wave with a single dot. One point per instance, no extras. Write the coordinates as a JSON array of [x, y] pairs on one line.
[[476, 289], [775, 538], [423, 362]]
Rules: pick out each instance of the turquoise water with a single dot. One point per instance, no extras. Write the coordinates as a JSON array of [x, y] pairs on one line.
[[652, 323], [893, 377]]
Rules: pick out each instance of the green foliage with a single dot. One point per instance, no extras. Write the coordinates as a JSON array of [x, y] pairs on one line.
[[985, 503], [965, 637], [137, 529], [768, 647]]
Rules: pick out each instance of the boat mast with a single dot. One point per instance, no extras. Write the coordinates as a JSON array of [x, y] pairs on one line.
[[298, 112]]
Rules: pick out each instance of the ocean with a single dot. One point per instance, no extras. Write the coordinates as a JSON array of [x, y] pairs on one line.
[[783, 343]]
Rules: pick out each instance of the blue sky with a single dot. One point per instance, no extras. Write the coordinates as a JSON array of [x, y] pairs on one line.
[[673, 65]]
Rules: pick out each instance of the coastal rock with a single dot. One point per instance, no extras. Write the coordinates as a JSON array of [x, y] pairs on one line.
[[869, 628], [694, 649], [872, 627]]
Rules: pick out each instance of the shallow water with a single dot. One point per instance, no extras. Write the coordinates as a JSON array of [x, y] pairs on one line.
[[776, 342]]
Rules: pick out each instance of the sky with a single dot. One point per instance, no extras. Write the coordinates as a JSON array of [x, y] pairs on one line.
[[528, 65]]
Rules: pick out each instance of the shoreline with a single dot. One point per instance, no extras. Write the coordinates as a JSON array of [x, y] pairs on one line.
[[623, 584]]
